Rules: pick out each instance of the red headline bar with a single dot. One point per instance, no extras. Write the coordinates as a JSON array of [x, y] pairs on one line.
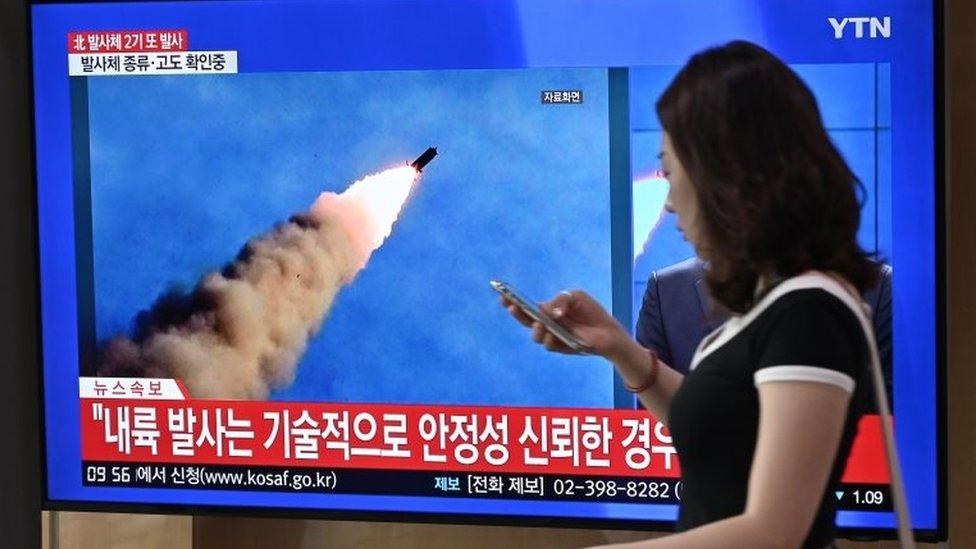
[[128, 41], [370, 436], [376, 436]]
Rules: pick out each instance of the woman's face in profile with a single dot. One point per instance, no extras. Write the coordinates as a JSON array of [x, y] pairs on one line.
[[682, 199]]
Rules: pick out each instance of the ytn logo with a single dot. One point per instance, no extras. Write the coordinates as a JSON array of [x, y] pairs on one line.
[[876, 26]]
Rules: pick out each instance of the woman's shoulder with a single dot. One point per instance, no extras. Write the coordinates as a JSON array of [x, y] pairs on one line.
[[816, 323], [816, 310], [804, 311], [812, 293]]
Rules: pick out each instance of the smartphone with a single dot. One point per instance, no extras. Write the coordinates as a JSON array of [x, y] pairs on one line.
[[561, 333]]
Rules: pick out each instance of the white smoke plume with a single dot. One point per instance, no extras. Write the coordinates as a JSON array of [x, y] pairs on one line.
[[241, 331]]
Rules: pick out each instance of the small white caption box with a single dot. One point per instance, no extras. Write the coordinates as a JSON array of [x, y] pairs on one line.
[[152, 63]]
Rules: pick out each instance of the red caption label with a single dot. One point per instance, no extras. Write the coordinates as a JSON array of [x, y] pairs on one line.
[[127, 41]]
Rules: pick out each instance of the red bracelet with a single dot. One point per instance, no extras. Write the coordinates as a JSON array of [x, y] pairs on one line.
[[651, 378]]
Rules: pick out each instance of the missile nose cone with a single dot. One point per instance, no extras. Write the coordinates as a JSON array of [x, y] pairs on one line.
[[424, 159]]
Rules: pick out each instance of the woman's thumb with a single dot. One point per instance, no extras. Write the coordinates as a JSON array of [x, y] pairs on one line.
[[561, 305]]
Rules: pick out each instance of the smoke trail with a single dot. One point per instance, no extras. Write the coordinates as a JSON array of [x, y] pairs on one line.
[[241, 331]]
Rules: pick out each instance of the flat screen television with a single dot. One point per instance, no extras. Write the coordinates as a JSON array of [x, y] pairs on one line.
[[266, 231]]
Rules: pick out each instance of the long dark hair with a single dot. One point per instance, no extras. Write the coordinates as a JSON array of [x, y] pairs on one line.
[[775, 196]]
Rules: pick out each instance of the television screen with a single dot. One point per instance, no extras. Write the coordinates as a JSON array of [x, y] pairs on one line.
[[267, 231]]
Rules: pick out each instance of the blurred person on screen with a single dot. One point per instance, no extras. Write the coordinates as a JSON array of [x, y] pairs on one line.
[[764, 418]]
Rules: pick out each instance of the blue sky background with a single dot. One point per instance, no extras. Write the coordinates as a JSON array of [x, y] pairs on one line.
[[186, 169]]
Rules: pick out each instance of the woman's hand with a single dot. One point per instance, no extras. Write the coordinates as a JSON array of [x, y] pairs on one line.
[[582, 315], [585, 318]]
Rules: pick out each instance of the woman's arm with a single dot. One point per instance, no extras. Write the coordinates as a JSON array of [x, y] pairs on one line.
[[800, 427], [633, 362]]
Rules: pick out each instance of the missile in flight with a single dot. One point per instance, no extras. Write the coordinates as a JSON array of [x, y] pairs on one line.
[[421, 162]]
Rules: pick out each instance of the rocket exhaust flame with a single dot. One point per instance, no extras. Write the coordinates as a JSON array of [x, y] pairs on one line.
[[241, 331], [368, 208]]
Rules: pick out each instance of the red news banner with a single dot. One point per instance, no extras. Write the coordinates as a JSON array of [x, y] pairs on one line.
[[364, 446], [374, 436], [128, 41]]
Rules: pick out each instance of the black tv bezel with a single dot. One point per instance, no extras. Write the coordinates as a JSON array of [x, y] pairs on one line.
[[938, 534]]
